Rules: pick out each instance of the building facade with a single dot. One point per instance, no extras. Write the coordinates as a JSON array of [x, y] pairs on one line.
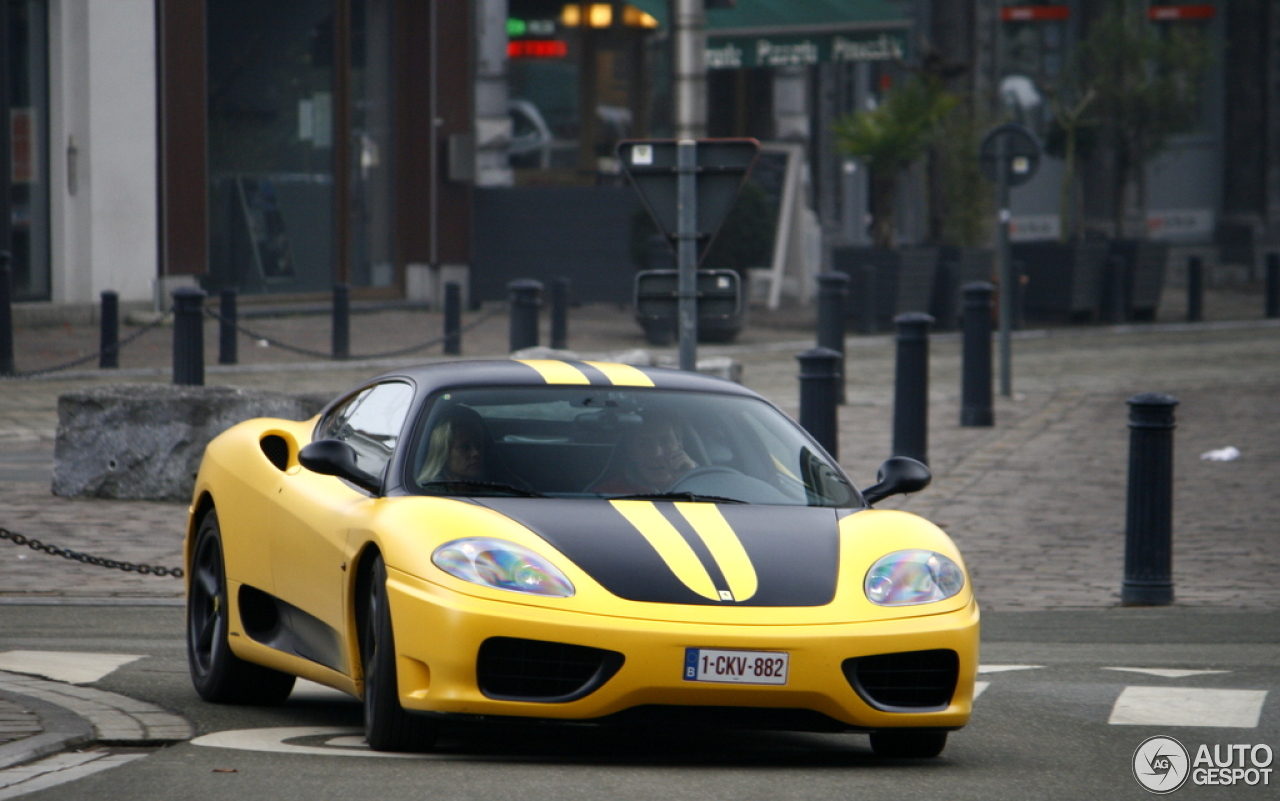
[[282, 148], [274, 148]]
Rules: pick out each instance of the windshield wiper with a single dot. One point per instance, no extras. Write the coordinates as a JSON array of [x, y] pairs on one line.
[[675, 496], [493, 486]]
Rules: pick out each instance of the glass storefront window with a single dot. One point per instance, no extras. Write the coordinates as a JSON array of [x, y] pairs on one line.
[[273, 101], [372, 122], [29, 148], [579, 78]]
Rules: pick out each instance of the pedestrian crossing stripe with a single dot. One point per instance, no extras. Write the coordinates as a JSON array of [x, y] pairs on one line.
[[1166, 673], [1188, 706], [70, 667]]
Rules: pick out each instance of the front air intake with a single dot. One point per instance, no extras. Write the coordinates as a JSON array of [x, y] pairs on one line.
[[911, 681], [513, 669]]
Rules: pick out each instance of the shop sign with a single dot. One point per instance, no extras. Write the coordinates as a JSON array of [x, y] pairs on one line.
[[802, 50]]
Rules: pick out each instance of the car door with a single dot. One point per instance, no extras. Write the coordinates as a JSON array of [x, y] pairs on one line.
[[309, 552]]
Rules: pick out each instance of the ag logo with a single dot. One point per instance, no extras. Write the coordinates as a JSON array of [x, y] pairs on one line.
[[1160, 764]]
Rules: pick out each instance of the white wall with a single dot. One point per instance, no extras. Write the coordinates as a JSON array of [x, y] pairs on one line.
[[103, 97]]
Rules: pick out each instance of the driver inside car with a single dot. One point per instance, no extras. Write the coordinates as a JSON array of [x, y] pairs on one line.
[[650, 459]]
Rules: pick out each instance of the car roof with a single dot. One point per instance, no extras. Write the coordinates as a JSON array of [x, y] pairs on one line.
[[558, 372]]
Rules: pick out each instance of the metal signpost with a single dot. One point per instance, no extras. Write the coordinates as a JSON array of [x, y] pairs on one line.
[[1009, 156], [688, 186]]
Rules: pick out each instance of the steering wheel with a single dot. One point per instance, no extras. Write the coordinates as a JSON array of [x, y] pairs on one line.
[[709, 470]]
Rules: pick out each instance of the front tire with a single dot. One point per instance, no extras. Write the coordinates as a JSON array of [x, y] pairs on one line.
[[218, 675], [908, 743], [388, 727]]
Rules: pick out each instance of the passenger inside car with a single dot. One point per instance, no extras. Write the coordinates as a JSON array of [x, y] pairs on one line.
[[455, 451]]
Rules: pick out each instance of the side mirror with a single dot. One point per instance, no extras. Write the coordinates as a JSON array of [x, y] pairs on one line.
[[332, 457], [897, 475]]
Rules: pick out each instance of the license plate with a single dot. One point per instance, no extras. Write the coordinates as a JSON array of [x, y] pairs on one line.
[[736, 667]]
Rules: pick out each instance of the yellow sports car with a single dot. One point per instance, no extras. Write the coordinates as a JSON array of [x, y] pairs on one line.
[[573, 541]]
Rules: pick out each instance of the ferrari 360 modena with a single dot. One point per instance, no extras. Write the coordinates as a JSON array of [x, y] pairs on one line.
[[573, 541]]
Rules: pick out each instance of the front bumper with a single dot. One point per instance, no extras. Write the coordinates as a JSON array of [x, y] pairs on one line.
[[439, 632]]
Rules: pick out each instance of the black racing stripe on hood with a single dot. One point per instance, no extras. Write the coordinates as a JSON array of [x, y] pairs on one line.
[[794, 550], [690, 535], [600, 541]]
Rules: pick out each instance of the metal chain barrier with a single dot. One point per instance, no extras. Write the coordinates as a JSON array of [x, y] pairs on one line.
[[149, 327], [76, 556], [323, 355], [249, 333]]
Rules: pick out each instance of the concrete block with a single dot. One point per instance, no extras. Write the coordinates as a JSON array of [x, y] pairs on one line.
[[145, 441]]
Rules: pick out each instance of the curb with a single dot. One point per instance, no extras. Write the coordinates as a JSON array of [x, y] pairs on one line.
[[73, 715], [63, 730]]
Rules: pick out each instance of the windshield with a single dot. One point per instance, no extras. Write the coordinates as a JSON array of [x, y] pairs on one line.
[[590, 442]]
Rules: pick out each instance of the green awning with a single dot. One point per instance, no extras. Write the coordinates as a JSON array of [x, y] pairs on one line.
[[778, 33]]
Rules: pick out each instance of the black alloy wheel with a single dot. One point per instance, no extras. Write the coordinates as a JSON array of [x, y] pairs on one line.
[[219, 675]]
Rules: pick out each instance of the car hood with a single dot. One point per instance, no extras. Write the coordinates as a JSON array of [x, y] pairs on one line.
[[691, 553]]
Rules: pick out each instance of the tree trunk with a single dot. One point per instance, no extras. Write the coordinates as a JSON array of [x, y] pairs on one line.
[[883, 199]]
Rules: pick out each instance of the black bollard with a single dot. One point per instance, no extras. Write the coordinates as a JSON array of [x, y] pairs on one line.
[[818, 409], [911, 387], [7, 366], [1195, 290], [975, 377], [526, 297], [560, 313], [1148, 531], [453, 319], [188, 336], [227, 316], [1116, 290], [109, 331], [341, 321], [1273, 285], [864, 300], [833, 298]]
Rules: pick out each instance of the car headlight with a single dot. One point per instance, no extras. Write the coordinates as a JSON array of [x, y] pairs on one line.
[[904, 578], [501, 565]]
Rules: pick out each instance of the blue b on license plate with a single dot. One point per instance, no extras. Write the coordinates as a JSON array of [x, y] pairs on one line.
[[736, 667]]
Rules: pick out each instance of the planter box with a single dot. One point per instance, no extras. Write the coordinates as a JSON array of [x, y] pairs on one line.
[[1064, 279], [898, 281], [721, 312], [1144, 264], [956, 267]]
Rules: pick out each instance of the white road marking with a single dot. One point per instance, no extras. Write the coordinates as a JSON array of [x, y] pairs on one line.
[[1188, 706], [1006, 668], [979, 687], [1167, 673], [337, 742], [72, 667], [58, 769]]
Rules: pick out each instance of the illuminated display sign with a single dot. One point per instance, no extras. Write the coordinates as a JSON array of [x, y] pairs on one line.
[[1035, 13], [537, 48]]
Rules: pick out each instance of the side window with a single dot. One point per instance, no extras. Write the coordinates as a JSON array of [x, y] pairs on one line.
[[371, 421]]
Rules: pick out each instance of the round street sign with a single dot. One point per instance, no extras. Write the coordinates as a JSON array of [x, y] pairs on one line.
[[1021, 153]]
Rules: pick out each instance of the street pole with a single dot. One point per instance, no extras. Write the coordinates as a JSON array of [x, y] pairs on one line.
[[689, 41], [687, 251], [1007, 288]]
